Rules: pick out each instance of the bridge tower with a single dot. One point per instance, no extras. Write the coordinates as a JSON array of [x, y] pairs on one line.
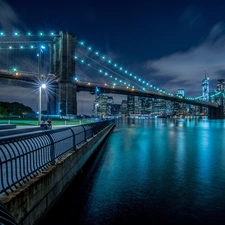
[[63, 100], [217, 113]]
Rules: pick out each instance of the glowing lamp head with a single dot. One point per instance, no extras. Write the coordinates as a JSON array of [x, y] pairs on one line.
[[43, 86]]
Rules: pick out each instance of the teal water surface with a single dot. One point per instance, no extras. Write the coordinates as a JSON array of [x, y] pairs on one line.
[[151, 171]]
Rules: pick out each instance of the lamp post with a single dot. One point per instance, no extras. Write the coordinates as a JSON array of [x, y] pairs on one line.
[[39, 103], [96, 107]]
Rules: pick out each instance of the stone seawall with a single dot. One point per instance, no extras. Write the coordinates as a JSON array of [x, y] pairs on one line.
[[31, 202]]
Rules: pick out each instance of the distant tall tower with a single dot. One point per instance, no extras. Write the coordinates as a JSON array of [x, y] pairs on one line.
[[205, 88]]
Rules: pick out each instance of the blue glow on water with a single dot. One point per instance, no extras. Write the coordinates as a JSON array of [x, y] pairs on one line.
[[159, 171]]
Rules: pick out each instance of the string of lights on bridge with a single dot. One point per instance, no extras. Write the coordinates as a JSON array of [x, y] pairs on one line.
[[120, 69], [19, 34]]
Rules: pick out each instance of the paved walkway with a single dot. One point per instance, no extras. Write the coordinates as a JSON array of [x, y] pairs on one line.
[[19, 130]]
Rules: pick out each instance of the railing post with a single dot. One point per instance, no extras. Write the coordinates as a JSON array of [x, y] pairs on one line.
[[74, 139], [52, 149], [85, 134]]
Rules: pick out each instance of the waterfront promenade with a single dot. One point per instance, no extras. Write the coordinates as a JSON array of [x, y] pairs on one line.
[[37, 166]]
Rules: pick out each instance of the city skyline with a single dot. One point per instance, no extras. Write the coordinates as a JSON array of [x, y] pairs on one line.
[[170, 44]]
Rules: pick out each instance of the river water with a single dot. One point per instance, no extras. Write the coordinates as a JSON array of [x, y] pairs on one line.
[[151, 171]]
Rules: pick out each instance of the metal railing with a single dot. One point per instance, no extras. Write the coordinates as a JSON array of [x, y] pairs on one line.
[[24, 157]]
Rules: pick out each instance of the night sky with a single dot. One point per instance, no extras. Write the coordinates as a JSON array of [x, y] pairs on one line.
[[168, 43]]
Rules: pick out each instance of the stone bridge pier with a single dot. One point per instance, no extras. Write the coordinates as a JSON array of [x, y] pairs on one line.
[[216, 113]]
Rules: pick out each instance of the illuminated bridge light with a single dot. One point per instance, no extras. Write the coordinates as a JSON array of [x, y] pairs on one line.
[[2, 34], [100, 71], [106, 74], [21, 47], [82, 43], [82, 61], [130, 74], [41, 34], [16, 34], [52, 34], [29, 34], [31, 46], [120, 81], [75, 57], [88, 64], [116, 78], [10, 47]]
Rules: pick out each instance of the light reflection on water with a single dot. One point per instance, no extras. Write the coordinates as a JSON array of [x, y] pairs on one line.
[[156, 171]]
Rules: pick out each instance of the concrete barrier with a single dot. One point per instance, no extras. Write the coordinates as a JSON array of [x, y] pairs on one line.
[[7, 126], [31, 201], [19, 131]]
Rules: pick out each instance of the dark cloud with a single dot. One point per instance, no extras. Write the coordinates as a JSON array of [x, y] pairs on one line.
[[8, 17], [192, 17], [187, 69]]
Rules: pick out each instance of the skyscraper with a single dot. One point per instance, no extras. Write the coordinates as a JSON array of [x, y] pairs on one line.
[[220, 85], [205, 88], [130, 104]]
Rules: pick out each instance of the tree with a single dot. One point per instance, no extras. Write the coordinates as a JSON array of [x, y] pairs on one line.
[[3, 111], [14, 108]]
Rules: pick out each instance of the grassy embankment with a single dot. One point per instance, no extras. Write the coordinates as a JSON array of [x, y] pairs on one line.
[[34, 122]]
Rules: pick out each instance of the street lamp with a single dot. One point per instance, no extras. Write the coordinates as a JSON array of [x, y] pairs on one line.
[[39, 103]]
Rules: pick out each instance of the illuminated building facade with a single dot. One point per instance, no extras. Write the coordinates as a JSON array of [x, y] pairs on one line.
[[103, 105], [205, 89], [130, 104], [180, 92], [220, 85], [123, 108]]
